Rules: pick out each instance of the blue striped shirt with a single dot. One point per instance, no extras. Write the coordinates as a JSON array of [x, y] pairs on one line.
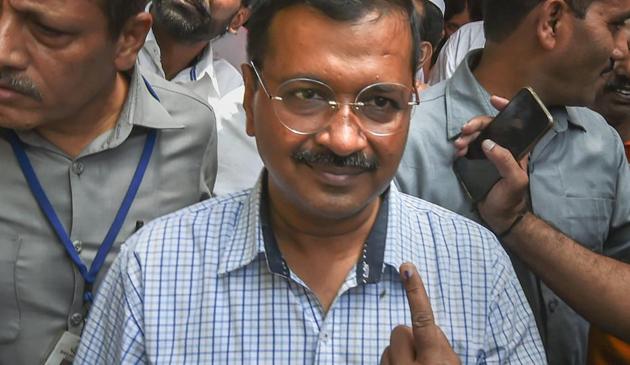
[[198, 287]]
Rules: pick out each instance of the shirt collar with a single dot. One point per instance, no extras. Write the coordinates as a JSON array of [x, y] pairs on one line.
[[383, 246], [466, 98], [141, 108], [202, 68]]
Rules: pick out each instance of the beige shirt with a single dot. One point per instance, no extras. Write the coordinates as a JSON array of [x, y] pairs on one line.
[[40, 288]]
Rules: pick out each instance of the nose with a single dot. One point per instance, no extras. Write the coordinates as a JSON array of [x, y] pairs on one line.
[[13, 54], [622, 44], [343, 134], [622, 67]]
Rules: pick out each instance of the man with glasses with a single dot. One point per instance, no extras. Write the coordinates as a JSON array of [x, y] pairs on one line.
[[577, 184], [306, 267]]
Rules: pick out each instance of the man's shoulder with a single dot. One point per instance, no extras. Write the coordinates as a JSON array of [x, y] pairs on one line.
[[175, 97], [599, 133], [588, 118], [193, 227]]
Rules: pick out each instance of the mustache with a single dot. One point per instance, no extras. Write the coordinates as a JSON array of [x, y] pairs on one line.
[[355, 160], [618, 82], [19, 83]]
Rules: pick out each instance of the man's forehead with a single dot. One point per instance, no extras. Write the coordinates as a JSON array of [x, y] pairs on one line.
[[304, 38], [55, 8], [292, 26]]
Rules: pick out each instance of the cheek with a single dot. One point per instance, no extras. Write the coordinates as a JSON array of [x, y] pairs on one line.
[[390, 151], [72, 77]]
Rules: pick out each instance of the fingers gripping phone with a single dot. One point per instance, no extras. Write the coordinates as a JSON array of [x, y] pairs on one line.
[[518, 127]]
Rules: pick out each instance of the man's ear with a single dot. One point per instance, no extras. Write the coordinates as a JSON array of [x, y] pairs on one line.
[[554, 18], [239, 19], [248, 99], [426, 53], [131, 40]]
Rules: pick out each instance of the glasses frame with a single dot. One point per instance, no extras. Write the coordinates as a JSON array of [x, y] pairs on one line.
[[334, 104]]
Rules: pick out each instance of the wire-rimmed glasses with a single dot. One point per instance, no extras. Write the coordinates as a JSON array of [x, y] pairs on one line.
[[306, 106]]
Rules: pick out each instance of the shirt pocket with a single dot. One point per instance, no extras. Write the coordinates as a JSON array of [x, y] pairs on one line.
[[587, 220], [9, 309]]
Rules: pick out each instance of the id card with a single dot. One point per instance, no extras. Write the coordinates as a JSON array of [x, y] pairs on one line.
[[65, 350]]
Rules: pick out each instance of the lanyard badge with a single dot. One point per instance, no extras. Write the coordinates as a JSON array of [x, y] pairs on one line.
[[89, 275]]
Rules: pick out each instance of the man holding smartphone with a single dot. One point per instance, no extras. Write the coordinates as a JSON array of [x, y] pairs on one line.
[[613, 102], [578, 187]]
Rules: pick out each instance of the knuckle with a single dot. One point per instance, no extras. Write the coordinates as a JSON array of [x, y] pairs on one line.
[[422, 319]]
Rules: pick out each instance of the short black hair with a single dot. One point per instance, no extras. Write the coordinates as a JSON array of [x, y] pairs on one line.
[[341, 10], [432, 24], [475, 10], [454, 7], [502, 17], [119, 11]]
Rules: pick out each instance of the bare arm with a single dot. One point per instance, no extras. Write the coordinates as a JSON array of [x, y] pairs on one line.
[[595, 286]]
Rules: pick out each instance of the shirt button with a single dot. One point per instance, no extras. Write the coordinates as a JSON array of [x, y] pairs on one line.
[[77, 168], [78, 246], [553, 305], [323, 337], [75, 319]]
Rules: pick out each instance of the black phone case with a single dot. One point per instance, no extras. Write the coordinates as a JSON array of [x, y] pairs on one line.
[[477, 177]]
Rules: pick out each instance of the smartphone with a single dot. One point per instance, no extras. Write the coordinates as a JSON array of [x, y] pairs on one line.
[[518, 127]]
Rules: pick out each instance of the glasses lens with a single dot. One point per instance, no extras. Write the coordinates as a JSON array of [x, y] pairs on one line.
[[304, 107], [383, 106]]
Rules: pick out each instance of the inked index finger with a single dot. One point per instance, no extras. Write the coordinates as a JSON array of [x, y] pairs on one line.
[[419, 304]]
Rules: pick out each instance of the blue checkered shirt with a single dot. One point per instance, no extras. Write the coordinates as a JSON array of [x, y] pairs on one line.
[[201, 286]]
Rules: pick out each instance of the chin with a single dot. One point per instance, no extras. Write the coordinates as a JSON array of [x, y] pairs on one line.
[[22, 123], [335, 207]]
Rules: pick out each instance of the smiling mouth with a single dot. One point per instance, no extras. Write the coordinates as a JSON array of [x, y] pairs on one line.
[[622, 90]]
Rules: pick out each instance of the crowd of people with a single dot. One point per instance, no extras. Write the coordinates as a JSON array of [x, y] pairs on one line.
[[275, 182]]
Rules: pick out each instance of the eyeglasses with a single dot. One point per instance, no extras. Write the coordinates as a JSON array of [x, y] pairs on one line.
[[305, 106]]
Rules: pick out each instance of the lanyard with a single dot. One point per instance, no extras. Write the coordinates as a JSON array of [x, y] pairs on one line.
[[44, 203]]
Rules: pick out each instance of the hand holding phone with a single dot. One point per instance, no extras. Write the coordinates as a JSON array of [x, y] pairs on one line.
[[518, 127]]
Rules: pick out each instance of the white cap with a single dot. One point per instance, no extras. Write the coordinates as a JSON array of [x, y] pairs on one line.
[[440, 4]]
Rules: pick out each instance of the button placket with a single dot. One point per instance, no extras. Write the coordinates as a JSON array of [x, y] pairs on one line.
[[76, 319], [77, 168]]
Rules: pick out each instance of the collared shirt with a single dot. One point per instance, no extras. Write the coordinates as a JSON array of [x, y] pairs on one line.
[[232, 47], [579, 182], [470, 36], [41, 291], [208, 285], [221, 85]]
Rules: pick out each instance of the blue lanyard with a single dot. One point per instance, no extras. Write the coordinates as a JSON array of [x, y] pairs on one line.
[[44, 203]]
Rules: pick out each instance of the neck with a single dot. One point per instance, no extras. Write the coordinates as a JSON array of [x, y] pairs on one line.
[[176, 55], [305, 232], [321, 251], [503, 70], [497, 74], [74, 134]]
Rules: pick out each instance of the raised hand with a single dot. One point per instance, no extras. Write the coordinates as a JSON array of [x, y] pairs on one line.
[[423, 343]]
